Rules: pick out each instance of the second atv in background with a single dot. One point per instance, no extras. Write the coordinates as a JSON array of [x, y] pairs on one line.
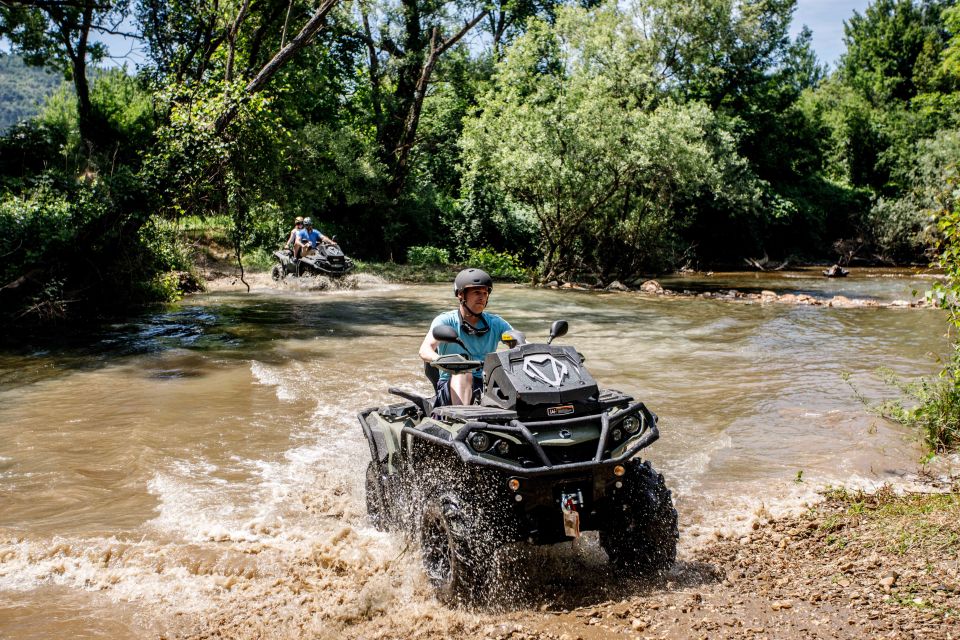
[[325, 260], [309, 252]]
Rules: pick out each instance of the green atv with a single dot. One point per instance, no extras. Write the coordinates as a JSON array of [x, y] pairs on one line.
[[545, 456]]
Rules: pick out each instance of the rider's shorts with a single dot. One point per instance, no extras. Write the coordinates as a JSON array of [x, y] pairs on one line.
[[443, 391]]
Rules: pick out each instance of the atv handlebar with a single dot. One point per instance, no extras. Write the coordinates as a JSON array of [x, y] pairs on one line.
[[454, 363]]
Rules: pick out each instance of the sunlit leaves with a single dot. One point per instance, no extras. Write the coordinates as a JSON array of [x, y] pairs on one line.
[[574, 130]]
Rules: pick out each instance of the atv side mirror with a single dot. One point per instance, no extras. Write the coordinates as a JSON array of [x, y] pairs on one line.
[[557, 329], [446, 333]]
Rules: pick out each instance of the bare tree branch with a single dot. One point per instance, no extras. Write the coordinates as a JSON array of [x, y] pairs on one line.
[[301, 40], [413, 117]]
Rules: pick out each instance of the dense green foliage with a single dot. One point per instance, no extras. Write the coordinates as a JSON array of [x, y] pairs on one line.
[[570, 140], [423, 256]]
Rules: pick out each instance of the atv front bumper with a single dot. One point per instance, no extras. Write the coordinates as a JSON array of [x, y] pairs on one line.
[[530, 499], [541, 464]]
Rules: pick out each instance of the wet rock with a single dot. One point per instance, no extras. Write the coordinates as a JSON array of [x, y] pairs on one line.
[[553, 284], [767, 295], [651, 286], [616, 285]]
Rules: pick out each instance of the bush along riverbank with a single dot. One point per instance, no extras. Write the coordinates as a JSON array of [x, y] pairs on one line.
[[933, 404]]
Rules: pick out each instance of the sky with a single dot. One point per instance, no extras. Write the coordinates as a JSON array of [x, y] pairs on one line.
[[825, 18]]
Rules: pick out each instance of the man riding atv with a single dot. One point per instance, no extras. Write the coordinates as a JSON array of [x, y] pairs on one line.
[[479, 331], [313, 254], [308, 238], [544, 456]]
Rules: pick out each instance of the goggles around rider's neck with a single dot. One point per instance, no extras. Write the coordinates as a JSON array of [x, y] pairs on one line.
[[471, 330]]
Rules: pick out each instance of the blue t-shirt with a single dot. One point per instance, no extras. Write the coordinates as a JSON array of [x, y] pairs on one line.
[[478, 346], [312, 236]]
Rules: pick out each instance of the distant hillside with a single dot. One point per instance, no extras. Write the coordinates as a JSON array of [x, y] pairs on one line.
[[22, 90]]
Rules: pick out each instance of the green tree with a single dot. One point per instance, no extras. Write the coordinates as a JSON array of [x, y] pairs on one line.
[[887, 106], [892, 49], [573, 131]]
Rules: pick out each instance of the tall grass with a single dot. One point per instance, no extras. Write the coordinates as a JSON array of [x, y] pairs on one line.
[[933, 407]]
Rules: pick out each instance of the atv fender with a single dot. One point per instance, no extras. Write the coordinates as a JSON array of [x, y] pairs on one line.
[[383, 436]]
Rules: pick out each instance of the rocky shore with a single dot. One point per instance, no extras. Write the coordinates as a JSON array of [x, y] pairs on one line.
[[654, 288]]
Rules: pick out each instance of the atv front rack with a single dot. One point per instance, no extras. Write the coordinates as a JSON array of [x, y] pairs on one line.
[[647, 436]]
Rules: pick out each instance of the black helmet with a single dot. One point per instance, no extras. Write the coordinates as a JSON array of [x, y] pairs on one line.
[[472, 278]]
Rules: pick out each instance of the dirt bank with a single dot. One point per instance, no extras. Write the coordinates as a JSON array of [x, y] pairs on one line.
[[855, 566]]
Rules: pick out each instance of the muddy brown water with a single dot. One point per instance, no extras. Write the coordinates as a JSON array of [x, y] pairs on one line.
[[200, 467]]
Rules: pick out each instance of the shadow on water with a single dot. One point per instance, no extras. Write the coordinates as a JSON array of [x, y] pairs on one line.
[[232, 328]]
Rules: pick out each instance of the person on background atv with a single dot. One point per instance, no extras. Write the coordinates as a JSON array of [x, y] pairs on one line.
[[308, 238], [292, 238], [478, 330]]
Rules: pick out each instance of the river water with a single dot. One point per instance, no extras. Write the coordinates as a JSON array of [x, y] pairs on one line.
[[198, 470]]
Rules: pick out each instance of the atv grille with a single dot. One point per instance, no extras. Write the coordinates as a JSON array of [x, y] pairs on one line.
[[582, 452]]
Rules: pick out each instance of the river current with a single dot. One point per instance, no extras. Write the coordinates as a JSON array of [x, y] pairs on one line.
[[198, 470]]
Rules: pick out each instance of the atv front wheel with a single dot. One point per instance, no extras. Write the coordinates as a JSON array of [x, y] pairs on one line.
[[276, 273], [449, 556], [641, 537]]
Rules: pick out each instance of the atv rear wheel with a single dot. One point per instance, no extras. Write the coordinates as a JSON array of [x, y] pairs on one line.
[[276, 273], [641, 537], [451, 561], [376, 505]]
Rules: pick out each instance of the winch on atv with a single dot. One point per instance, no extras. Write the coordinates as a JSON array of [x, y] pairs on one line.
[[545, 456]]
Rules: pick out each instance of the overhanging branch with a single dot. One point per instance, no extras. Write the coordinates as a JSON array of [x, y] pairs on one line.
[[270, 69]]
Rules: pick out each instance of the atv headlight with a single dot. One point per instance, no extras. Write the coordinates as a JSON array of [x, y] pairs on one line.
[[502, 448], [631, 424], [480, 442], [617, 434]]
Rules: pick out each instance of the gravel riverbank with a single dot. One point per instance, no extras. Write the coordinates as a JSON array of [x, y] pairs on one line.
[[854, 566]]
